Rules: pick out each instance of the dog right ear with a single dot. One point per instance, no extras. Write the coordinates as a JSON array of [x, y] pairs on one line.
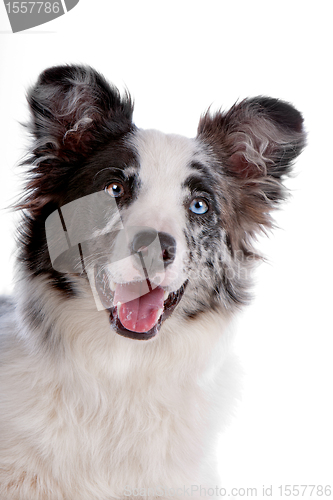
[[74, 110], [254, 146]]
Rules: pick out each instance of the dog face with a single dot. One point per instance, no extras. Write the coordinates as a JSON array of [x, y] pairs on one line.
[[157, 223]]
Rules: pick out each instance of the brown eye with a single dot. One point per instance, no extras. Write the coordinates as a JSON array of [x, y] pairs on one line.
[[115, 189]]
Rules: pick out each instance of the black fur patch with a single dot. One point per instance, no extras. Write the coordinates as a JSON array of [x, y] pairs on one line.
[[79, 123]]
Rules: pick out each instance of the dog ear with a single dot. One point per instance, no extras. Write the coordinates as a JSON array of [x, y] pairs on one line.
[[254, 144], [73, 110], [258, 137]]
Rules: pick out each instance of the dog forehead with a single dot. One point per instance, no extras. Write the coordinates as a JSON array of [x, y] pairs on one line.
[[165, 159]]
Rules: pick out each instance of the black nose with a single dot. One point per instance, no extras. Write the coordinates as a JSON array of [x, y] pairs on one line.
[[168, 246], [143, 239]]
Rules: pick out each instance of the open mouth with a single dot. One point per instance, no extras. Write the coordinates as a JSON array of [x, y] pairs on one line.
[[137, 309]]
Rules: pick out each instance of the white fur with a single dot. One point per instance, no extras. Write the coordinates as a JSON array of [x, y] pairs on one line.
[[97, 415], [109, 412]]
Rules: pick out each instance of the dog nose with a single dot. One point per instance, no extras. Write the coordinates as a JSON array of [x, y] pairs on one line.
[[168, 247], [143, 239]]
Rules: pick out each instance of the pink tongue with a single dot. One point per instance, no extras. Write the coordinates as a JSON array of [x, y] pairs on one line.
[[139, 311]]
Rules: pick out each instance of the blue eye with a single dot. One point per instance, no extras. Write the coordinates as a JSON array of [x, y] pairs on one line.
[[199, 206], [115, 189]]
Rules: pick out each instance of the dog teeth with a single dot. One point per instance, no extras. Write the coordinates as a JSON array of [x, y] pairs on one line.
[[160, 312], [166, 295]]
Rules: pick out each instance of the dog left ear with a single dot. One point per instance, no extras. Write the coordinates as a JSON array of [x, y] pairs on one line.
[[74, 110], [256, 142]]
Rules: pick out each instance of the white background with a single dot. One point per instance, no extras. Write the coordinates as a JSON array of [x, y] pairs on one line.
[[177, 58]]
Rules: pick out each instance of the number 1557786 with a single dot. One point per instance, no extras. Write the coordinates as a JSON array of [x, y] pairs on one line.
[[29, 7]]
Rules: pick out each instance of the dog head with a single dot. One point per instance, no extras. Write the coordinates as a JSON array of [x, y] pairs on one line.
[[155, 222]]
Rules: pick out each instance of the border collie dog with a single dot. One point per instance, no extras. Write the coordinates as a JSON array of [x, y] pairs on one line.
[[135, 253]]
